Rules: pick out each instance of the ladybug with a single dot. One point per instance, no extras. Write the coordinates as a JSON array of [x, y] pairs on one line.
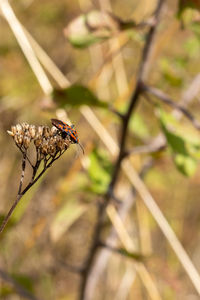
[[67, 130]]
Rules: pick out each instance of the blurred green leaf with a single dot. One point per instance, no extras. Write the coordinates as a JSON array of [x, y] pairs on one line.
[[99, 172], [134, 255], [139, 126], [6, 291], [65, 217], [182, 150], [170, 74], [94, 26], [184, 4], [77, 95], [24, 281], [192, 46]]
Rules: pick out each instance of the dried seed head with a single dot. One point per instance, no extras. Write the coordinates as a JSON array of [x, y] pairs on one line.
[[48, 141]]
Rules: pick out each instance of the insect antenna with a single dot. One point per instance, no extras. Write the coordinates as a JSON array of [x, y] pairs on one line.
[[81, 146]]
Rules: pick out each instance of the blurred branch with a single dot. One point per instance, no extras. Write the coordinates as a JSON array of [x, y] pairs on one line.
[[164, 98], [152, 147], [142, 74], [19, 289], [134, 255]]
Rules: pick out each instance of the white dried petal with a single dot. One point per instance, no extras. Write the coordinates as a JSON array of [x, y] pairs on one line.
[[10, 133], [13, 129], [53, 131], [18, 128], [40, 130], [25, 126]]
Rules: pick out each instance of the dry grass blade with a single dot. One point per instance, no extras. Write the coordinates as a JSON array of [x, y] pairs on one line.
[[25, 46], [129, 246]]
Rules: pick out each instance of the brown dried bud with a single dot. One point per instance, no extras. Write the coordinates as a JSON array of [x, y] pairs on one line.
[[46, 132], [25, 126], [32, 131], [13, 129], [38, 142], [18, 139], [40, 130], [26, 141], [18, 128], [44, 147]]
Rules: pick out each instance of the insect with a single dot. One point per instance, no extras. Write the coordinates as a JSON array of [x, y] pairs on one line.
[[67, 130]]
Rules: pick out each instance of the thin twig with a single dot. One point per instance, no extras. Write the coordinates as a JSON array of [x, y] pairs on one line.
[[23, 172], [19, 289], [166, 99], [29, 185], [134, 255]]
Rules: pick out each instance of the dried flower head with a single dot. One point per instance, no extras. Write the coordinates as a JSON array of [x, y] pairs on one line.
[[48, 141]]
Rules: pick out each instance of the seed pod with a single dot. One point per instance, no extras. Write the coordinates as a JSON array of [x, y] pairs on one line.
[[18, 139], [13, 129], [53, 131], [44, 147], [26, 141], [18, 128], [38, 142], [25, 126], [32, 131], [40, 131], [46, 132]]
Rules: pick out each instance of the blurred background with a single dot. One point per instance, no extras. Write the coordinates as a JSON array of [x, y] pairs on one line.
[[50, 232]]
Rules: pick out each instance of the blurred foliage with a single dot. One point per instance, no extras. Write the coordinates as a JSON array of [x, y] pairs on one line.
[[75, 96], [94, 27], [58, 214], [183, 151], [99, 171]]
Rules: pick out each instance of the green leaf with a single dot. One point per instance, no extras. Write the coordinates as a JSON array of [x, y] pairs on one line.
[[134, 255], [186, 164], [169, 73], [65, 217], [183, 150], [185, 4], [139, 126], [99, 172], [77, 95], [24, 281]]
